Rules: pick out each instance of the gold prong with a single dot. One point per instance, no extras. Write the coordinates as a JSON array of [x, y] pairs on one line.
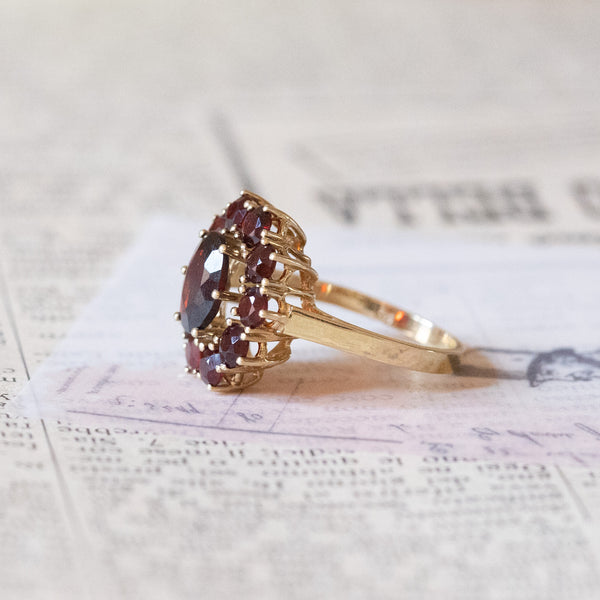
[[187, 369], [202, 233], [195, 332], [252, 361], [184, 269], [234, 311], [236, 253], [177, 316], [229, 322], [239, 370], [270, 237], [211, 346], [215, 340], [226, 296], [272, 316], [275, 288], [295, 263], [257, 335]]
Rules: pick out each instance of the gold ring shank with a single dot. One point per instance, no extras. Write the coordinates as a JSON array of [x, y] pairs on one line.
[[422, 346]]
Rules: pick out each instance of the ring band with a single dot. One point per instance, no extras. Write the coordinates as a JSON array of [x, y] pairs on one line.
[[425, 347], [252, 262]]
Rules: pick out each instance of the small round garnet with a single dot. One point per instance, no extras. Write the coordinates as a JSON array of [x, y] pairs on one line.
[[236, 212], [209, 367], [192, 354], [208, 271], [255, 222], [258, 263], [234, 215], [219, 223], [251, 303], [232, 346]]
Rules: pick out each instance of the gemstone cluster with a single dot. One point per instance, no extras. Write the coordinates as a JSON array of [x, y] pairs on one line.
[[237, 262]]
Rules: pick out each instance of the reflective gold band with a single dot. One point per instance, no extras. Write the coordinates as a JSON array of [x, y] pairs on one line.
[[421, 347]]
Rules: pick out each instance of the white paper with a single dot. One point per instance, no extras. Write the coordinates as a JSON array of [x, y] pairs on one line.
[[521, 392]]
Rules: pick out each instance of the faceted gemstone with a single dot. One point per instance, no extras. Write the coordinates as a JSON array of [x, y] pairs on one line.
[[234, 215], [251, 303], [208, 271], [232, 346], [192, 354], [258, 263], [208, 367], [254, 223], [236, 212], [220, 222]]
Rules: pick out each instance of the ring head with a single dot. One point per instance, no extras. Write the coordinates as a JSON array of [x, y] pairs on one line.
[[236, 290]]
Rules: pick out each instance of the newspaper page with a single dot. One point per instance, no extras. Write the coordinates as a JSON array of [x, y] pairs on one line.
[[440, 126]]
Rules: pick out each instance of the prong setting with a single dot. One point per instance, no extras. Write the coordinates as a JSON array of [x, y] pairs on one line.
[[242, 301]]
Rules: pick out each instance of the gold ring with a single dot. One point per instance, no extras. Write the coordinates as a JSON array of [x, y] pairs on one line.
[[249, 291]]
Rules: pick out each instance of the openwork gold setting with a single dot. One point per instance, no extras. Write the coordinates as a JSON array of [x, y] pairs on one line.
[[292, 291]]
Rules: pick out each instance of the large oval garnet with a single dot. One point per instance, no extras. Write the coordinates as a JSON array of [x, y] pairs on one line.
[[208, 271]]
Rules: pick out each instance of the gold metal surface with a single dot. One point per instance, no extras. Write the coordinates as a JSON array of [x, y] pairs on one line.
[[421, 346]]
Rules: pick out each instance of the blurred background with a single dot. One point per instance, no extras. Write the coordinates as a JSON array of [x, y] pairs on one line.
[[463, 120], [468, 118], [420, 115]]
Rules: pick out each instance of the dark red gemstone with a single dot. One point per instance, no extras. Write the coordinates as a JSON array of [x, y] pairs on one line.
[[232, 346], [236, 212], [208, 367], [192, 354], [255, 222], [258, 263], [220, 222], [251, 303], [208, 271]]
